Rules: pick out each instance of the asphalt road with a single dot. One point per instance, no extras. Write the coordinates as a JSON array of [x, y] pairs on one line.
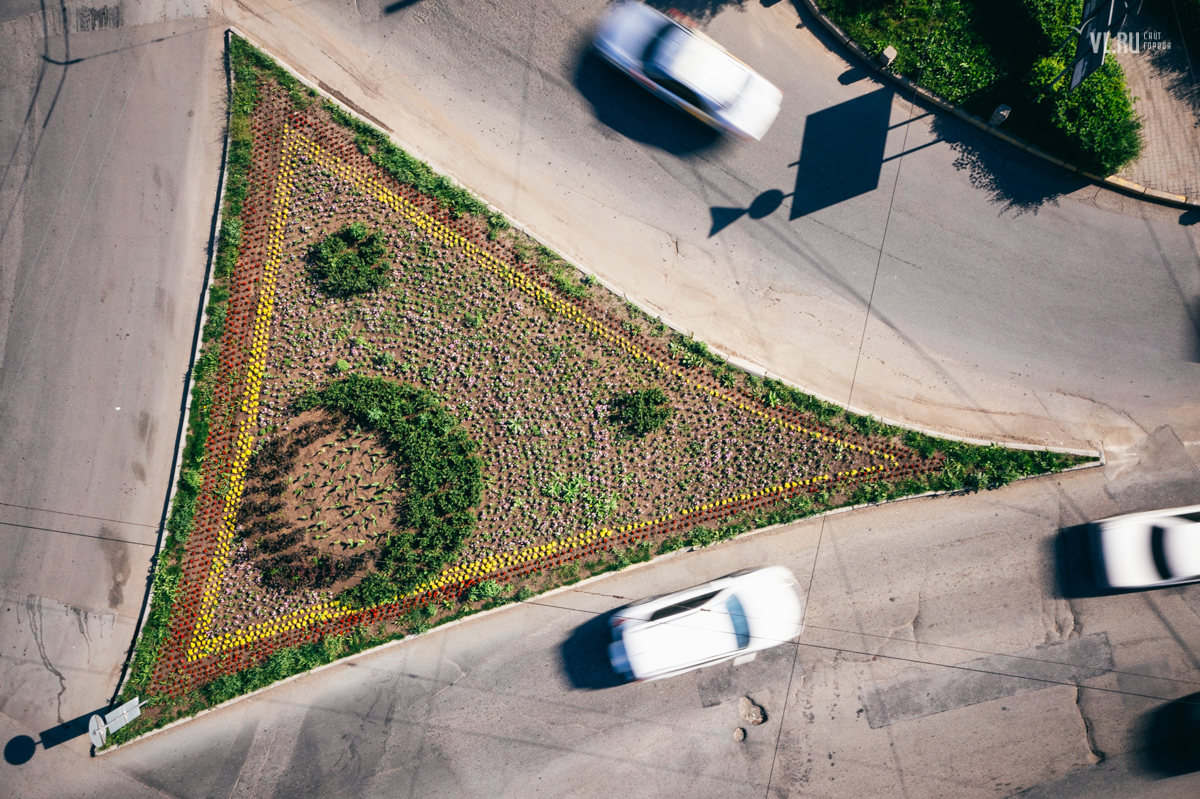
[[1005, 301], [107, 187], [944, 641]]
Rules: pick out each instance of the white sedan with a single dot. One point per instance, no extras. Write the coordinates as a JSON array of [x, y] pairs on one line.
[[1148, 550], [733, 617], [688, 69]]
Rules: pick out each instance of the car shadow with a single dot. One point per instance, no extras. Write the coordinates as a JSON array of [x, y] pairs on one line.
[[1073, 564], [628, 109], [1170, 739], [585, 656]]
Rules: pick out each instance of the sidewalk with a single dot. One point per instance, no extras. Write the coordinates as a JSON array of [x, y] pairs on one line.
[[1163, 79]]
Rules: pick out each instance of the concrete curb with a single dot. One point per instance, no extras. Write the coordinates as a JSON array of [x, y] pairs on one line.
[[1114, 183], [657, 559]]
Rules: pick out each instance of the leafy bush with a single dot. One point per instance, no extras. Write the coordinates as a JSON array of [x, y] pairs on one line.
[[351, 261], [488, 589], [643, 412], [1096, 122], [496, 223]]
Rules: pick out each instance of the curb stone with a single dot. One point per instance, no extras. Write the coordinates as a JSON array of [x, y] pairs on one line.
[[656, 559], [1114, 183], [185, 418]]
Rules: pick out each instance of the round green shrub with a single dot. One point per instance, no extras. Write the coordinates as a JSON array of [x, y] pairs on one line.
[[643, 412], [351, 261]]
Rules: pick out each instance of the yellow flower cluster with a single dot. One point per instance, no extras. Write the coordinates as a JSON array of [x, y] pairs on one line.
[[480, 568], [295, 620]]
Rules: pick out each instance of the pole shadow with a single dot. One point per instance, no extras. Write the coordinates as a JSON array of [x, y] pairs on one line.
[[623, 106], [841, 155], [1170, 739], [21, 749], [399, 5], [585, 656]]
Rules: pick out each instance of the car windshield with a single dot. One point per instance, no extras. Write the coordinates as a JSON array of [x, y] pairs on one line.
[[680, 607], [741, 628], [677, 55]]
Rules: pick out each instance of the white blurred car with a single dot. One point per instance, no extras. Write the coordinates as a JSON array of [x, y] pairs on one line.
[[1147, 550], [688, 69], [732, 617]]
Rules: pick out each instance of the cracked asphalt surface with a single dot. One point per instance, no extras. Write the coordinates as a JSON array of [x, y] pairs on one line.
[[1006, 301]]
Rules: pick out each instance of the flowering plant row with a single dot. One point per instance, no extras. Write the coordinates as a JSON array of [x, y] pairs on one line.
[[374, 451]]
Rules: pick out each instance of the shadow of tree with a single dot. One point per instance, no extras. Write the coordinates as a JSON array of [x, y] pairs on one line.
[[1018, 182], [1172, 65]]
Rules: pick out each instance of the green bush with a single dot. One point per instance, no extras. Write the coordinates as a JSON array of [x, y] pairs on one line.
[[488, 589], [642, 412], [1097, 125], [351, 261]]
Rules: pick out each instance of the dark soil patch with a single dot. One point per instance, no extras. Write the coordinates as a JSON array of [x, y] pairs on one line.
[[318, 497]]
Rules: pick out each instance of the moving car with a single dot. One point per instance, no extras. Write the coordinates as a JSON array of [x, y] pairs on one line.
[[733, 617], [688, 69], [1147, 550]]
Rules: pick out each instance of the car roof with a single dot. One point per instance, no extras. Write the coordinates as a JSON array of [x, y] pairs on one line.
[[680, 640], [700, 65]]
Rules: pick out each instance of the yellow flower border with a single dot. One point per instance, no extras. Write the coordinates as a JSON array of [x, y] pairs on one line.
[[295, 145]]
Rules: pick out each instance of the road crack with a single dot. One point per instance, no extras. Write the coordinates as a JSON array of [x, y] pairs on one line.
[[1089, 734]]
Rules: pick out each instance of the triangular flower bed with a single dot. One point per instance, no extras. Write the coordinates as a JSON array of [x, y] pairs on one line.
[[405, 410]]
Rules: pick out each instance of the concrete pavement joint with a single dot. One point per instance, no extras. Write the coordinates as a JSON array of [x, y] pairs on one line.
[[1115, 183]]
